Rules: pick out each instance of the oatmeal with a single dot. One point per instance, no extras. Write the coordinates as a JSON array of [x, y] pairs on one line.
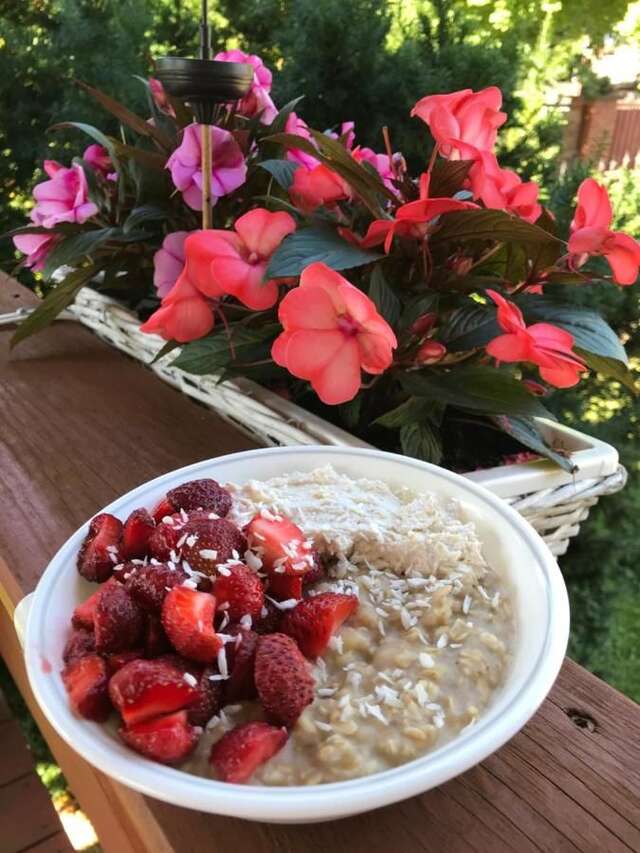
[[419, 660]]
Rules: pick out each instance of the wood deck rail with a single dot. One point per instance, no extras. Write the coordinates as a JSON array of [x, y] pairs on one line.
[[80, 424]]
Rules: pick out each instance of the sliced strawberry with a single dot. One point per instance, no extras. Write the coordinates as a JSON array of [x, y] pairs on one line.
[[285, 587], [164, 539], [162, 509], [280, 544], [118, 620], [241, 589], [154, 640], [187, 617], [206, 543], [80, 644], [86, 682], [135, 535], [313, 621], [167, 739], [241, 657], [201, 494], [118, 660], [284, 682], [270, 618], [317, 573], [239, 753], [209, 700], [99, 552], [149, 584], [143, 689]]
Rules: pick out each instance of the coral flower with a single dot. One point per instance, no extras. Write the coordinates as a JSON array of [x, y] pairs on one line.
[[63, 198], [332, 331], [547, 346], [502, 189], [229, 170], [320, 186], [168, 262], [257, 100], [591, 234], [413, 218], [184, 314], [235, 262], [36, 247], [463, 123]]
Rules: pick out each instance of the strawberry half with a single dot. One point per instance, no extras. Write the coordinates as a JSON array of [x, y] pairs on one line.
[[143, 689], [164, 538], [241, 657], [118, 620], [120, 659], [313, 621], [239, 588], [80, 644], [148, 585], [201, 494], [86, 681], [285, 587], [187, 617], [155, 640], [167, 739], [284, 682], [239, 753], [269, 621], [210, 696], [99, 552], [280, 544], [207, 542], [162, 509], [135, 535]]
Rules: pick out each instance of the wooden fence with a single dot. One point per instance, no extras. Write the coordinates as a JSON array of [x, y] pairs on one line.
[[605, 130]]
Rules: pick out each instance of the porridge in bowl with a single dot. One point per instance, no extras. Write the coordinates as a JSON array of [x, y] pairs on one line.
[[306, 629]]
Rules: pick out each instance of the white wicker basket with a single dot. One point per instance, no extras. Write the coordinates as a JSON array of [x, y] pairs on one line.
[[554, 502]]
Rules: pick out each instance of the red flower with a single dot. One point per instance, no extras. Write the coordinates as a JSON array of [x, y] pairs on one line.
[[543, 344], [463, 123], [332, 331], [591, 234]]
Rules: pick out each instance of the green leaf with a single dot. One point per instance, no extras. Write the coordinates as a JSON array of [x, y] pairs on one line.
[[144, 213], [412, 409], [448, 177], [75, 248], [128, 118], [478, 389], [526, 432], [281, 170], [465, 225], [470, 326], [350, 412], [165, 349], [60, 228], [422, 441], [214, 353], [280, 121], [611, 368], [381, 292], [316, 243], [97, 135], [590, 331], [149, 159], [416, 307], [56, 301]]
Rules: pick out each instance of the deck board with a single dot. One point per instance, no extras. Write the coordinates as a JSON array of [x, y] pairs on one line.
[[80, 424]]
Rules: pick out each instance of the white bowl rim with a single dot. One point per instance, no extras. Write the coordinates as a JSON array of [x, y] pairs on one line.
[[312, 802]]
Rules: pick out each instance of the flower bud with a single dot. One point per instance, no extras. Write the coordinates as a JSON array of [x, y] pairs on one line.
[[424, 324], [461, 265], [535, 387], [430, 352]]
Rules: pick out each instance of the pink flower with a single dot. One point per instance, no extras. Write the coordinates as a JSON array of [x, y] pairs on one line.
[[299, 127], [257, 100], [380, 162], [542, 344], [36, 247], [184, 314], [412, 219], [501, 189], [98, 158], [463, 123], [591, 234], [63, 198], [168, 262], [235, 262], [348, 131], [332, 331], [320, 186], [160, 97], [229, 168]]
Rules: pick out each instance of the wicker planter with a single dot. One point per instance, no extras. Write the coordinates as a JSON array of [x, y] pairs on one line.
[[553, 501]]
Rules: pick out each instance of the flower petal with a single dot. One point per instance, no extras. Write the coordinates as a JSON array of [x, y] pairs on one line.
[[262, 231], [340, 380], [307, 308], [512, 347]]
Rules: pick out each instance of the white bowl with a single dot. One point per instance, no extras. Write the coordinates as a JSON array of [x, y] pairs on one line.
[[510, 545]]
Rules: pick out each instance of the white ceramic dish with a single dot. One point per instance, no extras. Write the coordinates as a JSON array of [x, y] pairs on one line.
[[510, 544]]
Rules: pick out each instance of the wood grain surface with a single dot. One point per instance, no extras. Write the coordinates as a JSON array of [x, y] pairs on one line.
[[80, 424]]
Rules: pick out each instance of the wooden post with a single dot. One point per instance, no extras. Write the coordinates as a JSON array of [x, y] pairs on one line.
[[205, 145]]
